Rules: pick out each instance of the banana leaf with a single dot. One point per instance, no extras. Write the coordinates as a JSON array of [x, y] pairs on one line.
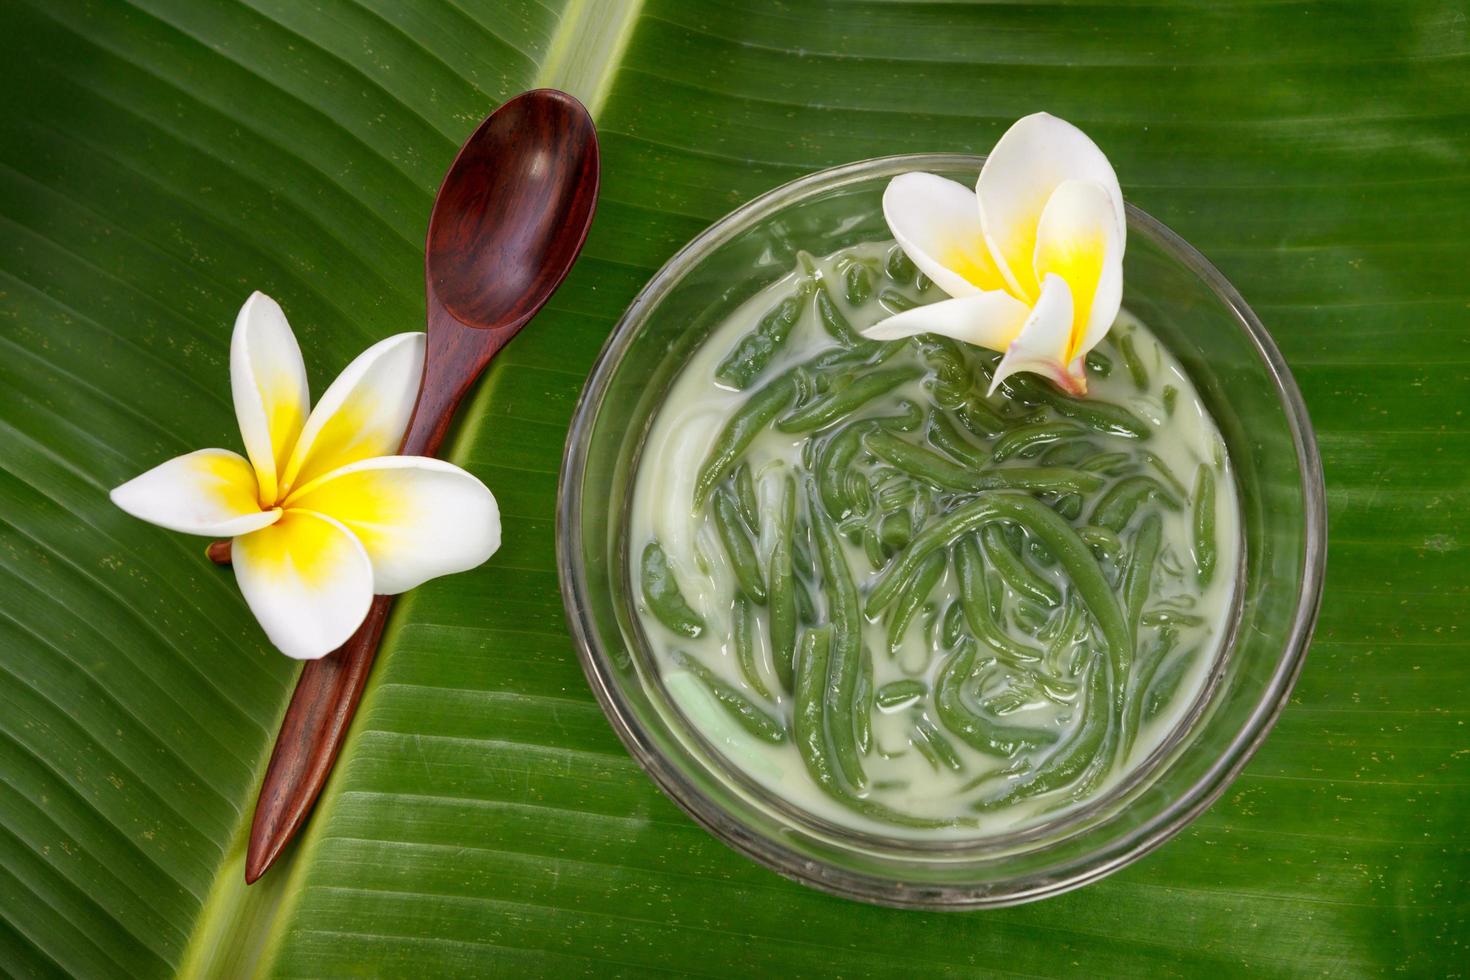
[[159, 159]]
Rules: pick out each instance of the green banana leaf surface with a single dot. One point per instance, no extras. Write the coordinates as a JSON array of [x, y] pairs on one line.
[[159, 159]]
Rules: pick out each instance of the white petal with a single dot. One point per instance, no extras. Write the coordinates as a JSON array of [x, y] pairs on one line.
[[268, 381], [990, 320], [936, 223], [1034, 156], [211, 491], [363, 413], [1041, 346], [1077, 239], [308, 581], [418, 518]]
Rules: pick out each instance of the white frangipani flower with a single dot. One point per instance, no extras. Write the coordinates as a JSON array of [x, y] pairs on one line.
[[1033, 257], [322, 515]]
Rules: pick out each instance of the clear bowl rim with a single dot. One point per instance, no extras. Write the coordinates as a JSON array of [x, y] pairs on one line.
[[831, 878]]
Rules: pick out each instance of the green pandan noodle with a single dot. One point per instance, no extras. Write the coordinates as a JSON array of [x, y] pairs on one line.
[[906, 604]]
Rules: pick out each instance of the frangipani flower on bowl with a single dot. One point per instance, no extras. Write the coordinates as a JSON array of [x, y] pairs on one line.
[[322, 514], [1032, 258]]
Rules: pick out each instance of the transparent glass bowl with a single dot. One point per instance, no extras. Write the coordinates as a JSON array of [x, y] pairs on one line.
[[1239, 374]]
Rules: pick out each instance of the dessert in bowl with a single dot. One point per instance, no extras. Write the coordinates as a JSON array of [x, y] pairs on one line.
[[906, 626]]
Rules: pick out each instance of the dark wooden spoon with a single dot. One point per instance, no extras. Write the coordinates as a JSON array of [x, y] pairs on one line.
[[509, 220]]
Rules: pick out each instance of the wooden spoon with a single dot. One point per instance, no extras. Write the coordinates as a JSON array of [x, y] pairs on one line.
[[508, 223]]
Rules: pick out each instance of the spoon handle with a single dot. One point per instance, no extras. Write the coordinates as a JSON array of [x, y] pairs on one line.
[[454, 358], [329, 689], [311, 735]]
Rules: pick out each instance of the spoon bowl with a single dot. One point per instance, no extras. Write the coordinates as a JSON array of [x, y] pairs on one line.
[[513, 211]]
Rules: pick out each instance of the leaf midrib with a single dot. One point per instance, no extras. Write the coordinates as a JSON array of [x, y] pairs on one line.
[[239, 928]]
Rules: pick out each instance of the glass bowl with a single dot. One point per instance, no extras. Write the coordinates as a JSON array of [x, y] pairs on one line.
[[1243, 381]]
